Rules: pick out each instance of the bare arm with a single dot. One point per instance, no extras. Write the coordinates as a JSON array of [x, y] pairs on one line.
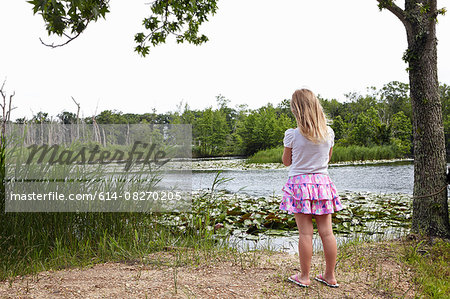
[[287, 156]]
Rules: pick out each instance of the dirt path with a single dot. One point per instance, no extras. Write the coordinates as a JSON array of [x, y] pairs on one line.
[[367, 272]]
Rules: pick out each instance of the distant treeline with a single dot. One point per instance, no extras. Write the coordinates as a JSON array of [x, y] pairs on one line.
[[381, 117]]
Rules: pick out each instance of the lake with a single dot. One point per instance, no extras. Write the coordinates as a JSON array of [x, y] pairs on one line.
[[384, 178], [376, 197]]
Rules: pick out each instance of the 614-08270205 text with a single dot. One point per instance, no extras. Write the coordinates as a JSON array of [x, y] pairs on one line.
[[101, 196]]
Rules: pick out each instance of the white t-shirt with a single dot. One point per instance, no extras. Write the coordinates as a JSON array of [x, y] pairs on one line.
[[307, 156]]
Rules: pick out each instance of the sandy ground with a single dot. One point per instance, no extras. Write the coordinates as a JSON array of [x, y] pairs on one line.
[[370, 272]]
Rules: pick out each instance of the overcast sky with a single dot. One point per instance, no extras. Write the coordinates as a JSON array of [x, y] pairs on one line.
[[258, 52]]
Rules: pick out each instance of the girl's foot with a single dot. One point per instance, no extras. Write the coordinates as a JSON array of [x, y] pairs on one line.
[[329, 282], [299, 281]]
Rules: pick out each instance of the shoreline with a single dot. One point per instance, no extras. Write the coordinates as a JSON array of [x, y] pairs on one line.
[[242, 164], [372, 162]]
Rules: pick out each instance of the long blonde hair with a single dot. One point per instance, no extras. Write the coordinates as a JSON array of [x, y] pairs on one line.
[[308, 112]]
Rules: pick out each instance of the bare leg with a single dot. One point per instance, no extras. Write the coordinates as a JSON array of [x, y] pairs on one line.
[[305, 229], [329, 246]]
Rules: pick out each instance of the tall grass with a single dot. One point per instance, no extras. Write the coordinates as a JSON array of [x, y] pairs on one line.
[[361, 153], [33, 242], [340, 154], [272, 155], [431, 266]]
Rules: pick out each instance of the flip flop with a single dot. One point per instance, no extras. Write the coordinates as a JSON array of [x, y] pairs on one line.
[[294, 279], [320, 279]]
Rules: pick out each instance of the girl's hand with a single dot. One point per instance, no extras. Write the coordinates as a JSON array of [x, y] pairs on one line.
[[287, 156]]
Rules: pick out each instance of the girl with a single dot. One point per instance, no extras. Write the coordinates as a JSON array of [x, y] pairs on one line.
[[309, 191]]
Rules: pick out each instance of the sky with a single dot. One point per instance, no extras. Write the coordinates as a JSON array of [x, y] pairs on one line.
[[257, 53]]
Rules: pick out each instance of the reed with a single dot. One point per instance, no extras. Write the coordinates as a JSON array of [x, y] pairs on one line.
[[361, 153], [33, 242]]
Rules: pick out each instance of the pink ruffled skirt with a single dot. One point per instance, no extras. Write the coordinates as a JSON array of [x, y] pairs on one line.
[[312, 193]]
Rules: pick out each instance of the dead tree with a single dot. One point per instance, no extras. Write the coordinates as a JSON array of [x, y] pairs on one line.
[[78, 118], [6, 110]]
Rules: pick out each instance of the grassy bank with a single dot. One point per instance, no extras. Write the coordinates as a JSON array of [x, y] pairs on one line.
[[430, 261], [423, 267], [394, 269], [340, 154]]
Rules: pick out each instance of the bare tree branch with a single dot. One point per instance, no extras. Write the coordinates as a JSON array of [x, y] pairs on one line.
[[8, 114], [78, 106], [78, 118], [6, 111], [3, 85]]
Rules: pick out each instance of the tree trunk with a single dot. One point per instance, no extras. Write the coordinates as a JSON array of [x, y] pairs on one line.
[[430, 213]]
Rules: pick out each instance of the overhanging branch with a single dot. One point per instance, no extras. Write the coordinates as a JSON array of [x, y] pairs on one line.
[[69, 39]]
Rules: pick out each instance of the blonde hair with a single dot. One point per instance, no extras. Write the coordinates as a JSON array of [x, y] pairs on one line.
[[308, 112]]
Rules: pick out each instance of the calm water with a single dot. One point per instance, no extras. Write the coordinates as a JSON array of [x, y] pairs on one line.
[[391, 178]]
